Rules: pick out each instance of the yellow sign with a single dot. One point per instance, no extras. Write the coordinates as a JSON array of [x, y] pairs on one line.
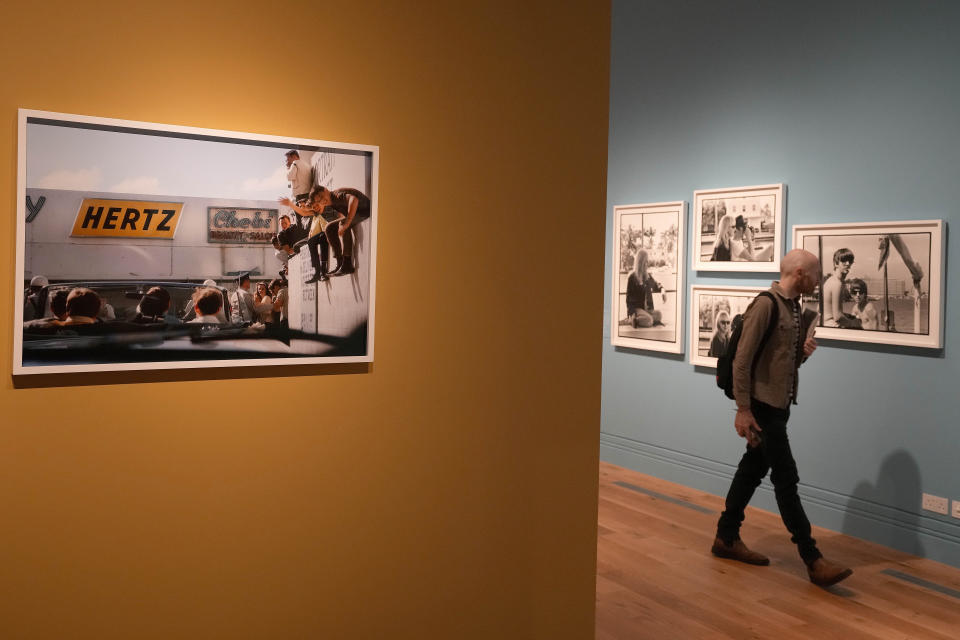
[[127, 218]]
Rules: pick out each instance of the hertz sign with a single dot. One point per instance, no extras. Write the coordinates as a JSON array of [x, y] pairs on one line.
[[127, 218]]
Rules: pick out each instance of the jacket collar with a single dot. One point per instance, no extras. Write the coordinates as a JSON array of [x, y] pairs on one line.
[[777, 289]]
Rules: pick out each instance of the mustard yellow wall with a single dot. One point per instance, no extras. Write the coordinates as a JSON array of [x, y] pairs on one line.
[[446, 491]]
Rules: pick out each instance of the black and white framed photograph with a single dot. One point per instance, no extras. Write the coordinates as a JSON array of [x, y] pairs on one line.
[[712, 310], [881, 281], [648, 262], [150, 246], [738, 228]]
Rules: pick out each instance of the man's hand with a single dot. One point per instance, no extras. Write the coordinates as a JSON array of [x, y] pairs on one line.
[[747, 427], [343, 228], [809, 346], [287, 202]]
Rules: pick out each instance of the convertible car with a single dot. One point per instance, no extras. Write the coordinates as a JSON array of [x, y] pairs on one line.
[[124, 337]]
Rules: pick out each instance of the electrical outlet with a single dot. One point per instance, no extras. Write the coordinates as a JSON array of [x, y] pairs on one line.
[[956, 508], [935, 504]]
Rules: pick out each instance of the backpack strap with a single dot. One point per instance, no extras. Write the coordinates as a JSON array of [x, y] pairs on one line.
[[774, 316]]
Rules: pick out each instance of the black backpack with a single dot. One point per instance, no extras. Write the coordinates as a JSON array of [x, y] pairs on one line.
[[725, 361]]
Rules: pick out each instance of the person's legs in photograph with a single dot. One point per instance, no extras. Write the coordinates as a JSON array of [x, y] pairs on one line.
[[641, 319], [342, 248], [319, 262], [346, 265], [333, 237]]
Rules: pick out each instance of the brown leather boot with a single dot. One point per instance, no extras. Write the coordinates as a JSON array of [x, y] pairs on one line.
[[738, 551], [824, 573]]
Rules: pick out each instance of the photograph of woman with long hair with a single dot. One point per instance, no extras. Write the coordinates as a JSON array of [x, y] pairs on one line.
[[640, 289], [646, 310], [723, 244], [721, 335]]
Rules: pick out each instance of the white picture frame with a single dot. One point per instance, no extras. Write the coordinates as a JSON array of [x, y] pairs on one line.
[[758, 242], [707, 302], [897, 268], [659, 229], [221, 190]]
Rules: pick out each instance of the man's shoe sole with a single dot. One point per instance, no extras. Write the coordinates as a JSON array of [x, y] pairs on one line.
[[720, 553], [838, 578]]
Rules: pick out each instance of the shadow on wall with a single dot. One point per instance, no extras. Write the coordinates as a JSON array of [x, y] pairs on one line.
[[884, 512]]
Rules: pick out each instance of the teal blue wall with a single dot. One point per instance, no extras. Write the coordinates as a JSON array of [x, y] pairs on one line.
[[855, 106]]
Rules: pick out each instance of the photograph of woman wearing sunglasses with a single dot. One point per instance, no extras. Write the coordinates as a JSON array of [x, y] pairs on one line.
[[721, 335]]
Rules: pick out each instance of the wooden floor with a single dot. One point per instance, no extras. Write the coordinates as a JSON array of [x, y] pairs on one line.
[[657, 579]]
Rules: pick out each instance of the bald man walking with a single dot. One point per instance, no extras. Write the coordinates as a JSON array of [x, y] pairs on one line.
[[765, 385]]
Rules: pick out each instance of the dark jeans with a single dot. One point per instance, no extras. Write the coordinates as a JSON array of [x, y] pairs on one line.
[[316, 260], [772, 455], [341, 245]]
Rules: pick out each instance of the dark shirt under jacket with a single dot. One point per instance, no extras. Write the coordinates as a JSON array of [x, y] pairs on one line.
[[721, 254], [773, 380], [341, 203], [718, 346], [291, 235], [640, 294]]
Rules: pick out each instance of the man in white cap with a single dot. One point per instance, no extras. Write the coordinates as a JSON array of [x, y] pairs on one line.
[[32, 307]]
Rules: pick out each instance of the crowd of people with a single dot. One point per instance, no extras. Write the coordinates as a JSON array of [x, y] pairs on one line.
[[267, 306]]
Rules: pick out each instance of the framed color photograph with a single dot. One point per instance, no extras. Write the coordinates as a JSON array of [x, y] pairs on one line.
[[738, 229], [149, 246], [647, 300], [881, 281], [712, 309]]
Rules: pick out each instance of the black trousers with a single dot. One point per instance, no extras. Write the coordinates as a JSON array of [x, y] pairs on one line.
[[774, 455], [316, 260]]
